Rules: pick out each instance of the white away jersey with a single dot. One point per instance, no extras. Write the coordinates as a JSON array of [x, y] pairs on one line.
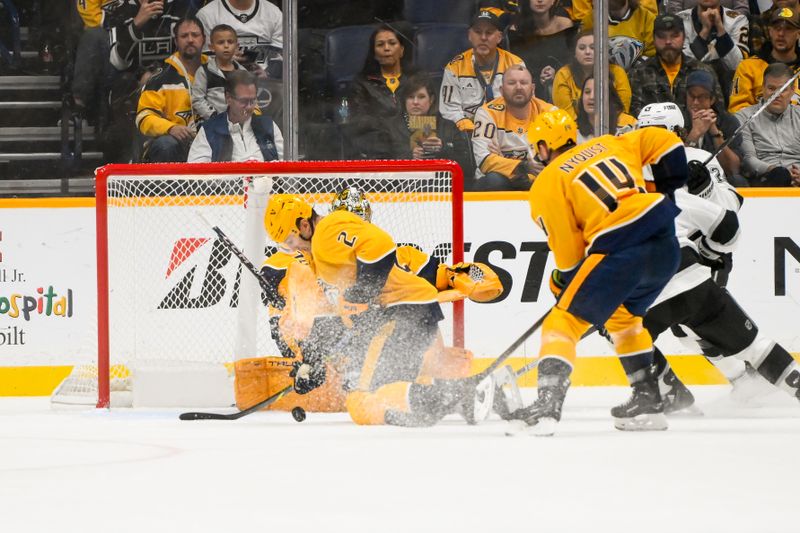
[[258, 29]]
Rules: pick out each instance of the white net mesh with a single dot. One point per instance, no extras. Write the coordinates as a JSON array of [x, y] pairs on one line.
[[178, 297]]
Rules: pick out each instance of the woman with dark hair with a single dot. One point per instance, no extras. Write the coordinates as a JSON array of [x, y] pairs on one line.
[[621, 120], [374, 101], [569, 79], [420, 132], [542, 39]]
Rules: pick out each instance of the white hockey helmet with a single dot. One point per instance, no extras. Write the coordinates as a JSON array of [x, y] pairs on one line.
[[665, 114]]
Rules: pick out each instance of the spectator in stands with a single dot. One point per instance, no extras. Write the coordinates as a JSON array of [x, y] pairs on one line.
[[784, 30], [141, 36], [475, 76], [165, 108], [622, 121], [259, 25], [582, 10], [208, 89], [717, 36], [543, 39], [242, 133], [92, 66], [427, 135], [630, 29], [500, 140], [708, 124], [141, 30], [374, 103], [569, 78], [771, 142], [663, 78], [676, 6]]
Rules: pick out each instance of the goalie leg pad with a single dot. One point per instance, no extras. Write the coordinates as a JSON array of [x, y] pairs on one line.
[[374, 408], [260, 377]]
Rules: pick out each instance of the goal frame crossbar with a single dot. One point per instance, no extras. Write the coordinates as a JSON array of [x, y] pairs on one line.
[[102, 175]]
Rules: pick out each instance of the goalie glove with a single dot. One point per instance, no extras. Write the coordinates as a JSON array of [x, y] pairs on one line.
[[307, 377], [476, 281]]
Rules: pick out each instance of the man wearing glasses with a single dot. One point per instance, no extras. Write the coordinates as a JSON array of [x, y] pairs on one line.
[[243, 132]]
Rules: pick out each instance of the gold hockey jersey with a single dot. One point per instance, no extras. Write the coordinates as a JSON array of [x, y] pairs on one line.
[[343, 240], [165, 101], [748, 84], [495, 126], [92, 11], [463, 92], [594, 195]]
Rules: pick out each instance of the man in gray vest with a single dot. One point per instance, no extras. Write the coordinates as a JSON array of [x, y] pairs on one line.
[[243, 132]]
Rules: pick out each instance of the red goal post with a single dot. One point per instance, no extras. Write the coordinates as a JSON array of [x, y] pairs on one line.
[[127, 195]]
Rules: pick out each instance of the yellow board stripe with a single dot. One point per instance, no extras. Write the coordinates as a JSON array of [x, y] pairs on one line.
[[605, 371]]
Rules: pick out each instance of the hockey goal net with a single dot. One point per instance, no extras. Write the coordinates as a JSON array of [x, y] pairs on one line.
[[176, 308]]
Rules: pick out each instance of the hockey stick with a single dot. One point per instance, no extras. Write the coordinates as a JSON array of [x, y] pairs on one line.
[[758, 111], [507, 353], [234, 416]]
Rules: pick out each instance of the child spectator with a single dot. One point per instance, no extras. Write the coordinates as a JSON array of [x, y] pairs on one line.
[[208, 89]]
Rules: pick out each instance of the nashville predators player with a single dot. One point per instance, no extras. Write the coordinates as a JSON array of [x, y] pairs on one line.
[[394, 313], [615, 248]]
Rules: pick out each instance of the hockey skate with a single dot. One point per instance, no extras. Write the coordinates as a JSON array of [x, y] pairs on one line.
[[541, 417], [644, 410], [678, 399]]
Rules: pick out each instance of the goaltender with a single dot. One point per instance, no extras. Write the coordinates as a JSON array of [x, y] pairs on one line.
[[394, 315]]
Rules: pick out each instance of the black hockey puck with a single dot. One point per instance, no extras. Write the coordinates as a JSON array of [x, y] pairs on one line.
[[299, 414]]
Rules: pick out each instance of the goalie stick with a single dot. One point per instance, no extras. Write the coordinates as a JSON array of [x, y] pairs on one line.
[[749, 119]]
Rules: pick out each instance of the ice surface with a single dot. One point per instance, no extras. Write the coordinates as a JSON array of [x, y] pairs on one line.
[[733, 470]]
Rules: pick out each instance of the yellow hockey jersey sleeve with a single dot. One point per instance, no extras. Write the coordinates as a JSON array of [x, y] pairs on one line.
[[593, 197], [92, 11], [345, 246], [274, 270]]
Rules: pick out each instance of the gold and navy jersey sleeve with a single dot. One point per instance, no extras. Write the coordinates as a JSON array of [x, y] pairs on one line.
[[592, 196], [274, 270]]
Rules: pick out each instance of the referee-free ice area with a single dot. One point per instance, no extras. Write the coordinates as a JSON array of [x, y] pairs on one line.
[[732, 470]]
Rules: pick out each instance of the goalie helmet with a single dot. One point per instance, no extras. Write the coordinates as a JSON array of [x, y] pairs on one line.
[[283, 211], [666, 115], [353, 200]]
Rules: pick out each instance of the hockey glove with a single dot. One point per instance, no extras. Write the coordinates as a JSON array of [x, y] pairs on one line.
[[557, 282], [307, 377], [699, 179]]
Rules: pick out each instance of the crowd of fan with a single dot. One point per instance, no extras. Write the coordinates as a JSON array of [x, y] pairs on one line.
[[715, 59]]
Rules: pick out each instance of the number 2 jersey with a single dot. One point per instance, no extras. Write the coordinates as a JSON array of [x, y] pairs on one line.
[[593, 199], [358, 260]]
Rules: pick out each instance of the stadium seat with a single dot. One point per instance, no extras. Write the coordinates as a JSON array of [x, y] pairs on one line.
[[346, 50], [441, 11], [436, 44]]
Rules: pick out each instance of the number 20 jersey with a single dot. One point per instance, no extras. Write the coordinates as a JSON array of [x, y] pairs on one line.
[[592, 198]]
